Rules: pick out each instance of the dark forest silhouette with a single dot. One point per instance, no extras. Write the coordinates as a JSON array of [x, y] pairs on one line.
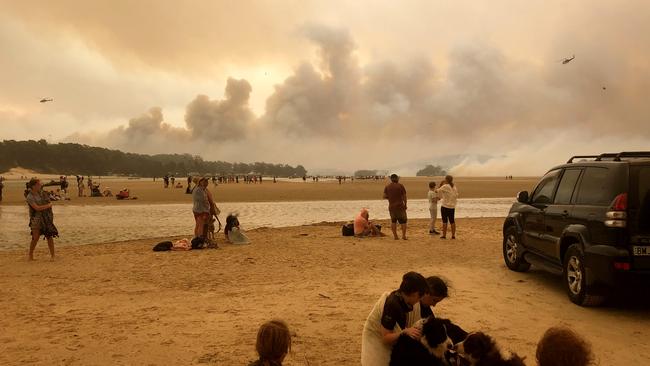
[[70, 159]]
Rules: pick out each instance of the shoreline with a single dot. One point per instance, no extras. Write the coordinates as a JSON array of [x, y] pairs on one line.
[[150, 192], [135, 202], [220, 237]]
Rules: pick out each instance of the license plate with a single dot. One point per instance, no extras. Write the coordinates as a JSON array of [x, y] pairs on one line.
[[641, 251]]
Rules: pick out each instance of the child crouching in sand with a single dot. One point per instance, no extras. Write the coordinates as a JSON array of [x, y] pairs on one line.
[[273, 343]]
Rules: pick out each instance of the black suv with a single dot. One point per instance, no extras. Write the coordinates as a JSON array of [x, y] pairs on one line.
[[588, 220]]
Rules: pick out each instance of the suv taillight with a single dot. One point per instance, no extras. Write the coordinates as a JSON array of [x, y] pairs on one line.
[[620, 202], [617, 214]]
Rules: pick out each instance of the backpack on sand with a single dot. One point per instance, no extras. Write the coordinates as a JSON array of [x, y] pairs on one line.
[[347, 230], [198, 243], [163, 246]]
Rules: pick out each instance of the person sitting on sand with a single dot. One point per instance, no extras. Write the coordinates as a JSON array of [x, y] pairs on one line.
[[51, 196], [388, 320], [107, 192], [364, 227], [273, 343], [123, 194], [233, 232], [561, 346]]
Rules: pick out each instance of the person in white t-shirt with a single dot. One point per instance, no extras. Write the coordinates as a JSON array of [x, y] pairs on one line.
[[448, 194], [433, 198]]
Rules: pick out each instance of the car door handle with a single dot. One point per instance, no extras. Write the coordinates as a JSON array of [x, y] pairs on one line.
[[565, 214]]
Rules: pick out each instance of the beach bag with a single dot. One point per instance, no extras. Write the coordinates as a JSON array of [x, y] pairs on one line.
[[347, 230], [163, 246]]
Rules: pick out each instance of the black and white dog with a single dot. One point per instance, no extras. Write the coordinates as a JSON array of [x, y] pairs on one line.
[[430, 350], [479, 349]]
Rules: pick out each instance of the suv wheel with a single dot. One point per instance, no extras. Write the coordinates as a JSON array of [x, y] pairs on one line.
[[512, 251], [576, 281]]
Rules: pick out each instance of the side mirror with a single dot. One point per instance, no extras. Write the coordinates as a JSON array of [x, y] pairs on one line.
[[522, 197]]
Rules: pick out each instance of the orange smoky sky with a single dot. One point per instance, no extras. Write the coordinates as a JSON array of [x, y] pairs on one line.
[[337, 85]]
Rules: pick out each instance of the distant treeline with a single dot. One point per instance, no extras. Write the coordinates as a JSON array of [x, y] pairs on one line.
[[71, 159], [368, 173], [431, 171]]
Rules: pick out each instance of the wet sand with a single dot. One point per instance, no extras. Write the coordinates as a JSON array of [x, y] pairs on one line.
[[122, 304], [148, 191]]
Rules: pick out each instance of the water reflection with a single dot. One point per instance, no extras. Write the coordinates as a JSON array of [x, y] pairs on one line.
[[100, 224]]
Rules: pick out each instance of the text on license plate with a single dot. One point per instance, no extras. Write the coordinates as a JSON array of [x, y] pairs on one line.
[[638, 251]]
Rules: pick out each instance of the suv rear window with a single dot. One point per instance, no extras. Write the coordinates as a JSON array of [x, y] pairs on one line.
[[598, 187]]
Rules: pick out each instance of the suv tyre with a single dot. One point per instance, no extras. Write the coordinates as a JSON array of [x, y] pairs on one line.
[[512, 251], [575, 279]]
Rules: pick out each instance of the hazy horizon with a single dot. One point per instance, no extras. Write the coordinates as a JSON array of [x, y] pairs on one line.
[[340, 86]]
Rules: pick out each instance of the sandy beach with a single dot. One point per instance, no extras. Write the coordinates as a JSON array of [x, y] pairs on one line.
[[122, 304], [152, 192]]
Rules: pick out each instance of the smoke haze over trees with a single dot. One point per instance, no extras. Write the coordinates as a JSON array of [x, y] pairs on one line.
[[70, 159], [431, 171], [368, 173]]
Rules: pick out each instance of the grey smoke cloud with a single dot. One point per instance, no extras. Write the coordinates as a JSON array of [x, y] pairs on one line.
[[494, 105], [206, 121], [148, 128], [319, 100], [221, 120]]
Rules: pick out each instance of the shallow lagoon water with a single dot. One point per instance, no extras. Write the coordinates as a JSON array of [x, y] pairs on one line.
[[92, 224]]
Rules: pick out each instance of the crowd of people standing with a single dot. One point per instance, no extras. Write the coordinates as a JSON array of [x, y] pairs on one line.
[[169, 180]]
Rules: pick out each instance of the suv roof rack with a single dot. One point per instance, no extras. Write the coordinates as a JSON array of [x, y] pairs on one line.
[[632, 154], [582, 157], [613, 156]]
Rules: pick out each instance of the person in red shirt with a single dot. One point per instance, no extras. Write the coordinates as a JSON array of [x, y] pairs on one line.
[[395, 193]]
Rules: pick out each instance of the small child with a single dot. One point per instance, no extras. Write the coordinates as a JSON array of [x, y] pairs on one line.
[[561, 346], [233, 232], [273, 343], [432, 195]]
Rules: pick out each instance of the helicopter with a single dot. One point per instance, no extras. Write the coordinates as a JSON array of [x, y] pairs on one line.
[[567, 60], [45, 100]]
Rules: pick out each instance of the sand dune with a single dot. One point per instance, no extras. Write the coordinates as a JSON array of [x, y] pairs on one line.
[[122, 304]]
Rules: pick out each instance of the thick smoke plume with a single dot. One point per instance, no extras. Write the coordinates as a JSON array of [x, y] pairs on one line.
[[338, 113], [223, 120]]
